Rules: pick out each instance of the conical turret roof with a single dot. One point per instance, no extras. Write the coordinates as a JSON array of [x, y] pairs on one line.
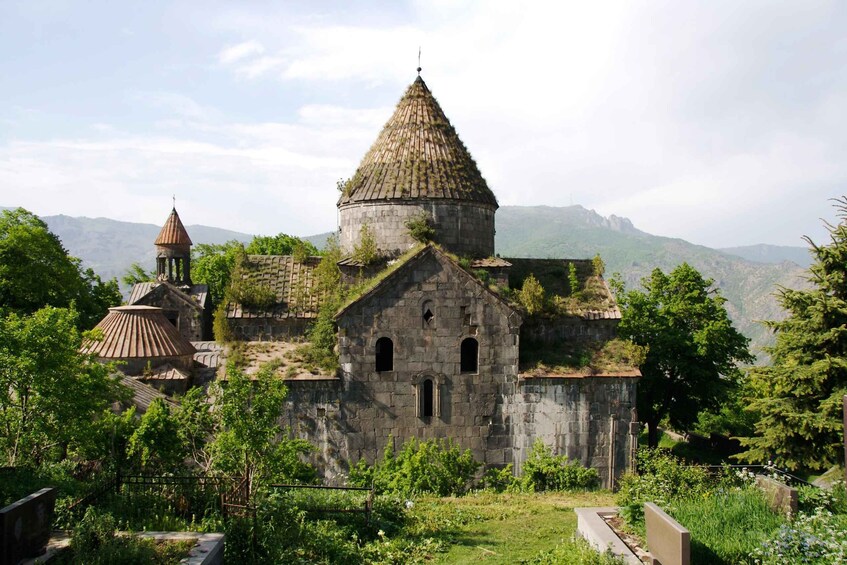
[[138, 332], [173, 232], [418, 155]]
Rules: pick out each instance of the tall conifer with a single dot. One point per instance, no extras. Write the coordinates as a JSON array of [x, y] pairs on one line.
[[798, 396]]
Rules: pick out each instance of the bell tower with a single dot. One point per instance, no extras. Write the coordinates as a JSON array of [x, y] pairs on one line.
[[173, 252]]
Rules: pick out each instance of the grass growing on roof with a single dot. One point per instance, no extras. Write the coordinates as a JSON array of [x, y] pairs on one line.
[[586, 358]]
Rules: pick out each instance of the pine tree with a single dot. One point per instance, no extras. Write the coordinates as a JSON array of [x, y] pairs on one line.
[[798, 396]]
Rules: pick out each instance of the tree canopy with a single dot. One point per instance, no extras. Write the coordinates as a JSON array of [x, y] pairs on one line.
[[50, 394], [798, 396], [693, 349], [36, 271]]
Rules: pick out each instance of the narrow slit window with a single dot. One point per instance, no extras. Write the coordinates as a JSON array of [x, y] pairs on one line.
[[470, 355], [427, 399], [384, 354]]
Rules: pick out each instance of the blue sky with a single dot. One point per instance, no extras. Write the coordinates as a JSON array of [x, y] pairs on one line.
[[723, 123]]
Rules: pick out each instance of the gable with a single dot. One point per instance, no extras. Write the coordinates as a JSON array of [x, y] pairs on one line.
[[153, 293], [429, 275]]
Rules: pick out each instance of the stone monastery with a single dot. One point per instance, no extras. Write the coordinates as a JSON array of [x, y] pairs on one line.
[[434, 344]]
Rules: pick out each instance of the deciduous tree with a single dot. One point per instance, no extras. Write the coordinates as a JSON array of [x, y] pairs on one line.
[[50, 393], [693, 349], [798, 396], [36, 271]]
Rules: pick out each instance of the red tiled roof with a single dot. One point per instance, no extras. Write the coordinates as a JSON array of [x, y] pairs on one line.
[[137, 332], [173, 232]]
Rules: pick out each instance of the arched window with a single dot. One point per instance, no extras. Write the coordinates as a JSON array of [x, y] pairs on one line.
[[428, 315], [384, 354], [470, 355], [427, 399]]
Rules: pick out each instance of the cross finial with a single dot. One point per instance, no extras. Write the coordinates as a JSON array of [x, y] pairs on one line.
[[173, 197], [419, 61]]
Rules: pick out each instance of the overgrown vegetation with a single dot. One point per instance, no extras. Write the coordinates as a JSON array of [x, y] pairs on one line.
[[531, 295], [543, 471], [728, 517], [365, 250], [421, 227], [579, 357], [435, 466]]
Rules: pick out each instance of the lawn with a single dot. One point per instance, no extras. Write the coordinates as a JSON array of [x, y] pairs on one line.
[[503, 528]]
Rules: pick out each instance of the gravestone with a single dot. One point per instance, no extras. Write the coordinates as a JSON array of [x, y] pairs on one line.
[[25, 526], [668, 540], [781, 498]]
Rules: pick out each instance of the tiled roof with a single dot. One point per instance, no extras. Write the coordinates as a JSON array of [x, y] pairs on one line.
[[418, 154], [198, 292], [291, 281], [173, 232], [167, 373], [137, 332], [143, 394], [490, 263]]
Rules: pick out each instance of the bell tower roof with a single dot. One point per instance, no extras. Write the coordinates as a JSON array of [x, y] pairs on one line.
[[173, 232]]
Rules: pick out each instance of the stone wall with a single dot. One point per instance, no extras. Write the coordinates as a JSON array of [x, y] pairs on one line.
[[466, 405], [463, 228], [191, 322], [585, 418], [573, 328]]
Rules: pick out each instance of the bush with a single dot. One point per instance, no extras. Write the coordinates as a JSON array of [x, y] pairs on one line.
[[531, 295], [576, 552], [421, 227], [544, 471], [661, 478], [435, 466]]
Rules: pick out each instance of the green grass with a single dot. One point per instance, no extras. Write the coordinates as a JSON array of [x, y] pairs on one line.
[[726, 527], [503, 528]]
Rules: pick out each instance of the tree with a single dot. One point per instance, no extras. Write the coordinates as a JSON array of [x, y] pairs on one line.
[[155, 444], [248, 440], [531, 295], [212, 265], [50, 393], [798, 396], [280, 244], [693, 349], [36, 271], [136, 274]]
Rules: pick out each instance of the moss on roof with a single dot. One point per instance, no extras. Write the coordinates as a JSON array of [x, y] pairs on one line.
[[616, 357], [418, 155], [592, 301], [290, 281]]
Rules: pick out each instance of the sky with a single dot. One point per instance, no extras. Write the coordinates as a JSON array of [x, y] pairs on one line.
[[720, 122]]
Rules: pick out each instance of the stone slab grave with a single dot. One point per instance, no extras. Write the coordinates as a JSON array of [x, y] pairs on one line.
[[669, 542], [594, 529], [25, 526], [781, 498]]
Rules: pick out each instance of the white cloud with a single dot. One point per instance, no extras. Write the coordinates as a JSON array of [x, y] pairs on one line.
[[235, 53]]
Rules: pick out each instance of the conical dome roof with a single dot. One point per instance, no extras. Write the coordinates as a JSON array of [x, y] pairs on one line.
[[418, 155], [173, 232], [138, 332]]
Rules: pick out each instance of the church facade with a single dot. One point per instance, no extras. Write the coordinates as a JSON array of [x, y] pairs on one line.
[[439, 346]]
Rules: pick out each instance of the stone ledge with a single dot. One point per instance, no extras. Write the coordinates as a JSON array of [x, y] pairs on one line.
[[592, 527], [209, 549]]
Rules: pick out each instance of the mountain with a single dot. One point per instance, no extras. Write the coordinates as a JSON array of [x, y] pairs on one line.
[[748, 286], [111, 246], [763, 253], [747, 276]]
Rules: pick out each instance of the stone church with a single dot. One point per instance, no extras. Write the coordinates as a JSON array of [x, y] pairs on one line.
[[437, 345]]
